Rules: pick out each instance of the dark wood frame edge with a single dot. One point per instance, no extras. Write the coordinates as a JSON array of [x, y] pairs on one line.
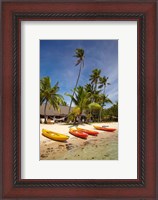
[[156, 91], [0, 103], [32, 186]]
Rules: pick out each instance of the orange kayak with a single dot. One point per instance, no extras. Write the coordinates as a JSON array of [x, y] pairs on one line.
[[77, 133], [89, 132], [104, 128]]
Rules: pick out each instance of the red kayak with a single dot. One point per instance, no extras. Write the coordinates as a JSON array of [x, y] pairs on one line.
[[104, 128], [89, 132], [78, 133]]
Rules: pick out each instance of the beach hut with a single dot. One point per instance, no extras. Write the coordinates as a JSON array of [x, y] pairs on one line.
[[55, 115]]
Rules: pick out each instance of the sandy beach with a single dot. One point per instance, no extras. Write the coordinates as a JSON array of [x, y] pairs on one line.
[[104, 146]]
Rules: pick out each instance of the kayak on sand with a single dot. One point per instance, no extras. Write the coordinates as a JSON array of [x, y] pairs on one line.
[[104, 128], [89, 132], [54, 136], [77, 133]]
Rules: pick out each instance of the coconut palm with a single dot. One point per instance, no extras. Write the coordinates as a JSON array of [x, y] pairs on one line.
[[79, 54], [80, 99], [94, 78], [49, 94], [103, 100], [103, 83], [89, 88]]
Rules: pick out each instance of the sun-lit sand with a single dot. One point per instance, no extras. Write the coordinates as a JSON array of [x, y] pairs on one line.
[[104, 146]]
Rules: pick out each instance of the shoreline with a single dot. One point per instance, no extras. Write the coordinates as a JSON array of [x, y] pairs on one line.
[[104, 146]]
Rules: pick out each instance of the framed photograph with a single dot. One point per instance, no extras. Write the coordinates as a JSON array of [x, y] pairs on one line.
[[79, 100], [79, 114]]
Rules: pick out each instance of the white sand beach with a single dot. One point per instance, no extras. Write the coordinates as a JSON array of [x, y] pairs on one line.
[[104, 146]]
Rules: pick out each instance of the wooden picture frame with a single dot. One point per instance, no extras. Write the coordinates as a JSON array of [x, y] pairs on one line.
[[144, 187]]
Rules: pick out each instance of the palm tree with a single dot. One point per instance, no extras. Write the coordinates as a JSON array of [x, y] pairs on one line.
[[80, 99], [94, 78], [79, 54], [49, 94], [94, 94], [103, 83], [89, 88], [102, 100]]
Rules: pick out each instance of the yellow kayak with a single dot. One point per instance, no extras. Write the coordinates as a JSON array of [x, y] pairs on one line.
[[54, 136]]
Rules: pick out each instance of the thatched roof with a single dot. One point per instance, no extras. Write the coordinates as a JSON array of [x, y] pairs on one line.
[[51, 112]]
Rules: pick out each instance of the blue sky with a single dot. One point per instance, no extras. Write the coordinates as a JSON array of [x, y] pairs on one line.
[[58, 62]]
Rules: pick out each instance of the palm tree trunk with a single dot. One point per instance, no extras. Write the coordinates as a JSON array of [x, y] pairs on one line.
[[101, 114], [102, 105], [95, 90], [96, 86], [45, 120], [104, 90], [75, 85]]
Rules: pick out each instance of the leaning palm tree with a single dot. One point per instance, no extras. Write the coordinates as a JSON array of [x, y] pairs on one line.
[[79, 54], [49, 94]]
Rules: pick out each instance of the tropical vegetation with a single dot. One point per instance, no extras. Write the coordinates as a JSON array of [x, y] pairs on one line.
[[111, 114], [49, 94], [89, 99]]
